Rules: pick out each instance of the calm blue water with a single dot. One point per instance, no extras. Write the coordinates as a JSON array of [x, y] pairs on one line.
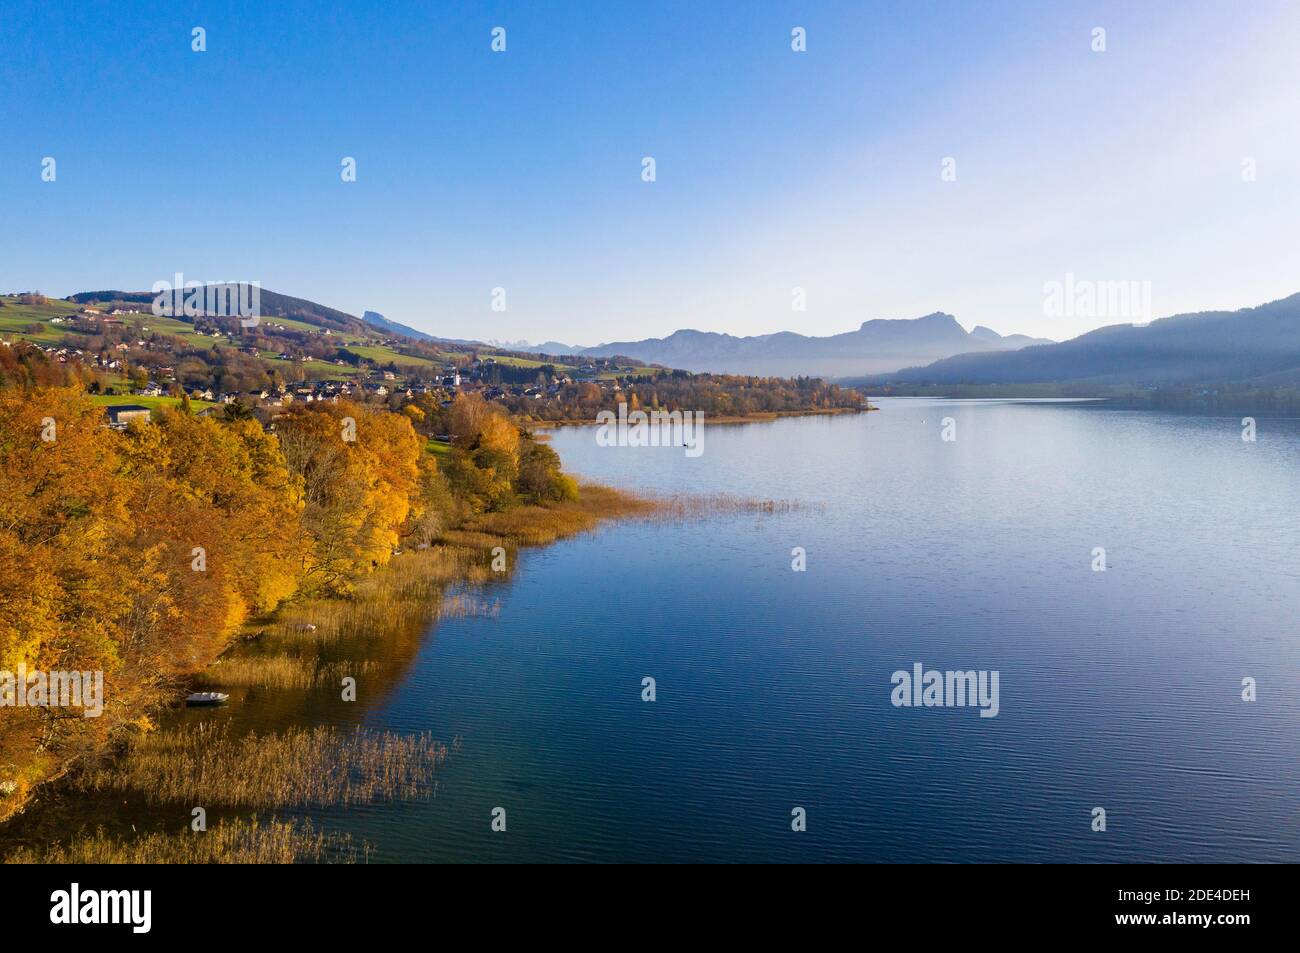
[[1118, 689]]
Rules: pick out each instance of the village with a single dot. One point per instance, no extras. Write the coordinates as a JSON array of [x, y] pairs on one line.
[[137, 354], [134, 362]]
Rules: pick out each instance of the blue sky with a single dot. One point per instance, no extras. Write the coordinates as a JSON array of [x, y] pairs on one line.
[[775, 169]]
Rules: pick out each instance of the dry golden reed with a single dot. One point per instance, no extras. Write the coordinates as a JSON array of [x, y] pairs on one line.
[[402, 597], [228, 842], [298, 767], [464, 605], [540, 525], [280, 671], [693, 506]]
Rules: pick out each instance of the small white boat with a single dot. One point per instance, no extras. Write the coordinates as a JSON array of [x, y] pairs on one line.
[[206, 698]]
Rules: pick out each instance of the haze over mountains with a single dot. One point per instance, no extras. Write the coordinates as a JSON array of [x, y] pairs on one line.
[[1259, 345], [877, 346]]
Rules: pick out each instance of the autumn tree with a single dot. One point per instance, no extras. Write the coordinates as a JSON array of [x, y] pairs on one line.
[[361, 483]]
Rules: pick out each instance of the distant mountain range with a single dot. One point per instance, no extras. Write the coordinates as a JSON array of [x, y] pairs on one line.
[[1248, 350], [877, 346], [1260, 345]]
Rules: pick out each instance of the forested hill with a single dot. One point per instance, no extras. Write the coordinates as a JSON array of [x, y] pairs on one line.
[[274, 305]]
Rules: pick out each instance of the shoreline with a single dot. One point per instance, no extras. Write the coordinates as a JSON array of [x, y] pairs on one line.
[[278, 744], [416, 582], [766, 417]]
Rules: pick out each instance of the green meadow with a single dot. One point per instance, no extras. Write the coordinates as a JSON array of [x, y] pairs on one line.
[[153, 403], [382, 355]]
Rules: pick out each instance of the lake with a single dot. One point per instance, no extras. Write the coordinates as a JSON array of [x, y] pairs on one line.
[[1119, 689]]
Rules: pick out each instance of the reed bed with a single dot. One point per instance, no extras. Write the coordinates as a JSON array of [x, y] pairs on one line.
[[280, 671], [228, 842], [299, 767], [696, 506], [603, 502], [471, 539], [401, 597], [525, 526], [540, 525], [465, 605]]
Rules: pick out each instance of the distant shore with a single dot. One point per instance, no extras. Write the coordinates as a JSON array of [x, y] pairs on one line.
[[705, 418]]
